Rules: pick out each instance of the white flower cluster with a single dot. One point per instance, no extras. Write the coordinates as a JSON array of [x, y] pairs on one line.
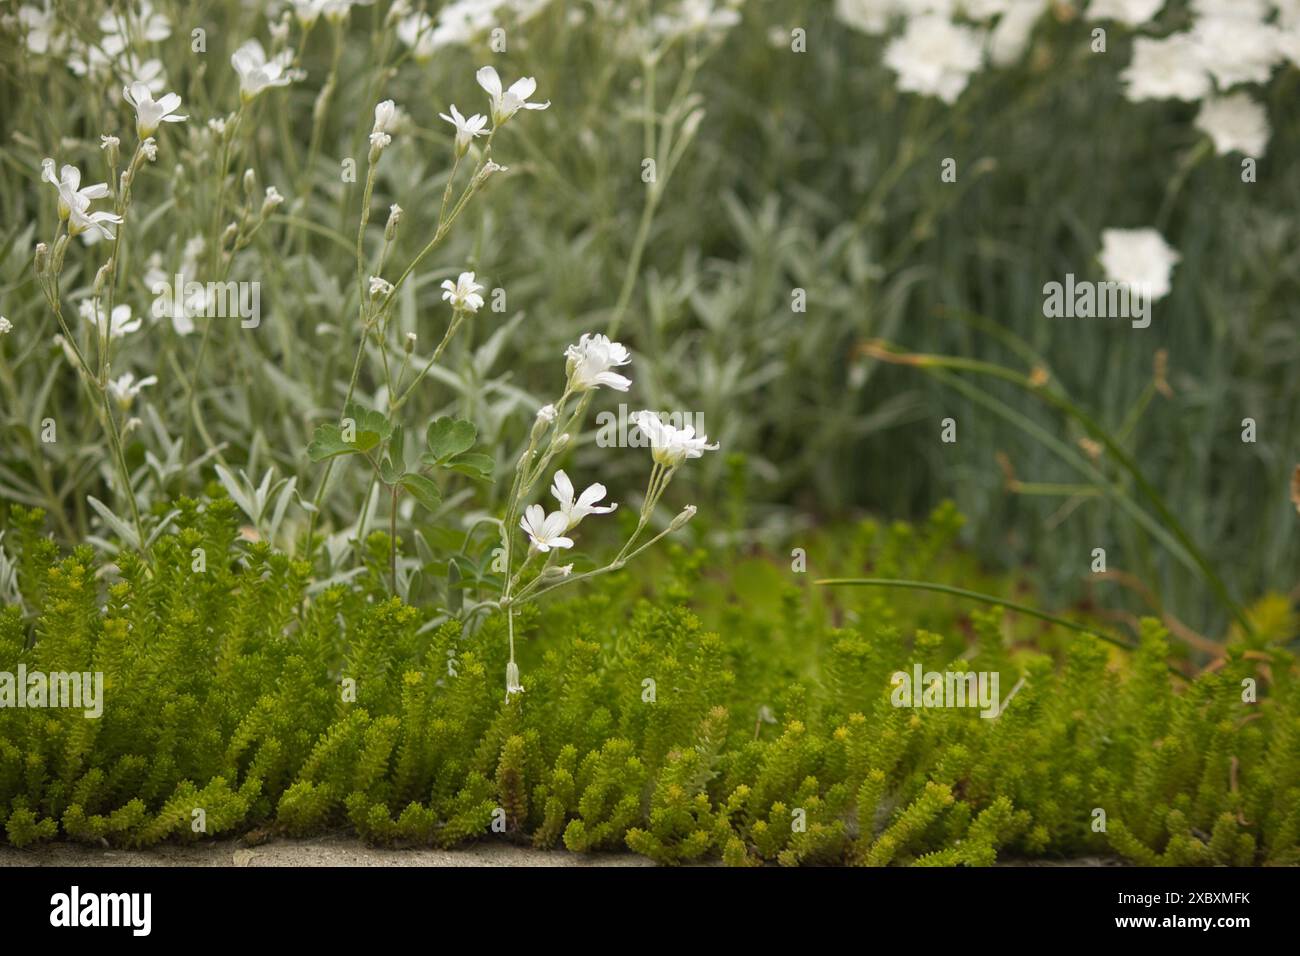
[[122, 33], [458, 23], [1230, 43]]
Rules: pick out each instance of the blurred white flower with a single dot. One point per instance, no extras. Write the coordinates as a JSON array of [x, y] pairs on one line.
[[589, 363], [1139, 258], [546, 531], [696, 16], [144, 24], [40, 26], [150, 112], [271, 200], [546, 414], [1131, 12], [670, 446], [869, 16], [1237, 50], [463, 293], [1166, 69], [1235, 122], [380, 287], [575, 510], [150, 148], [466, 128], [506, 104], [109, 142], [308, 11], [125, 389], [935, 57], [416, 32], [257, 73], [115, 325], [5, 326], [1009, 39]]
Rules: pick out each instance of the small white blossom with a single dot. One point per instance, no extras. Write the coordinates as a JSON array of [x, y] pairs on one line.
[[590, 362], [1237, 50], [546, 531], [935, 57], [109, 142], [585, 504], [506, 103], [273, 199], [5, 326], [125, 389], [150, 149], [114, 325], [257, 73], [463, 293], [380, 140], [385, 117], [380, 287], [869, 16], [1235, 122], [1140, 259], [68, 185], [670, 446], [546, 414], [466, 128], [149, 113]]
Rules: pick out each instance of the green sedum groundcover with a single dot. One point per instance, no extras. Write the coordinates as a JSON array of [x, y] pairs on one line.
[[745, 715]]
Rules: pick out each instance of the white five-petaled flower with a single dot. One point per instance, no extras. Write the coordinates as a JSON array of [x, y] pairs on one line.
[[589, 363], [670, 446], [68, 184], [507, 103], [257, 73], [115, 325], [546, 531], [466, 128], [150, 112], [575, 510], [1139, 258], [126, 388], [463, 293]]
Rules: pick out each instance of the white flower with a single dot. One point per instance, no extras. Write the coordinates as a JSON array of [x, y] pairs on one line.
[[126, 388], [589, 363], [5, 326], [869, 16], [308, 11], [506, 104], [1168, 69], [466, 129], [670, 446], [380, 140], [380, 287], [119, 322], [575, 511], [1131, 12], [257, 73], [546, 531], [150, 112], [68, 185], [934, 57], [150, 149], [1235, 122], [109, 142], [144, 24], [1010, 38], [41, 27], [1139, 258], [1236, 50], [546, 414], [385, 117], [271, 200], [695, 16], [463, 293]]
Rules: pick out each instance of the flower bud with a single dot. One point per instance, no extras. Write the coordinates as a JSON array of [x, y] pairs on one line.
[[42, 258], [250, 182], [394, 217], [545, 417], [409, 346], [686, 515], [101, 278], [60, 247], [512, 680]]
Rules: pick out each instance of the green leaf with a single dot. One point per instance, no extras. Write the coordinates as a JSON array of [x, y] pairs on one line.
[[368, 420], [473, 464], [327, 442], [448, 437], [423, 490], [390, 473]]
